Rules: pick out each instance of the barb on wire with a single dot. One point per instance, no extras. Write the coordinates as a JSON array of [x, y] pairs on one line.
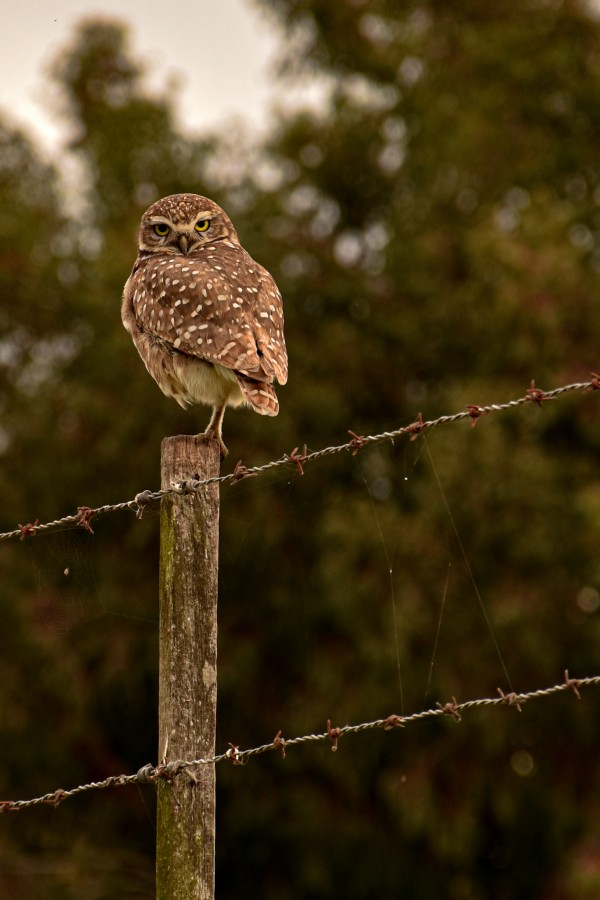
[[170, 770], [357, 442]]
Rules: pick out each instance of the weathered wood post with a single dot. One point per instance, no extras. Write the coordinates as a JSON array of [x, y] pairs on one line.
[[189, 543]]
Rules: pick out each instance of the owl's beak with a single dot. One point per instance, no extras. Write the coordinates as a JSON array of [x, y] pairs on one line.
[[183, 241]]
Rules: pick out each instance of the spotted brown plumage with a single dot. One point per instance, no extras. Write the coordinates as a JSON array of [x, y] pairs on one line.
[[206, 319]]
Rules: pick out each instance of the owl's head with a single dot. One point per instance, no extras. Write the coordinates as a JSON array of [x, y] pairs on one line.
[[181, 224]]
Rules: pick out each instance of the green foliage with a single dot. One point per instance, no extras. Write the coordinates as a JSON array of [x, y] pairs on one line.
[[434, 228]]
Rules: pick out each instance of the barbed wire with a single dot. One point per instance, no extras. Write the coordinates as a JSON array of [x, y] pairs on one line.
[[298, 458], [169, 770]]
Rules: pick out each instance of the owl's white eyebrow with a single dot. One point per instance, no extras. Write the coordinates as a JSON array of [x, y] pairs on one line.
[[202, 216]]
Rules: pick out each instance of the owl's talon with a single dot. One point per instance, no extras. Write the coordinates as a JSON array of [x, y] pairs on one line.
[[209, 435]]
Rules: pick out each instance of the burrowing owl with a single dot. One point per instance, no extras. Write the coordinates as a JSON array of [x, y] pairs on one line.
[[205, 318]]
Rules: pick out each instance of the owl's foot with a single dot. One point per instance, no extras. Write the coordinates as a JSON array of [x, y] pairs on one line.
[[210, 435], [213, 432]]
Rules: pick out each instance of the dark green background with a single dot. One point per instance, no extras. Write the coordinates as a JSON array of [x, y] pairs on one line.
[[435, 231]]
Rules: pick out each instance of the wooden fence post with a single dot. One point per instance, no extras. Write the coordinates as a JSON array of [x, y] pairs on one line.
[[189, 529]]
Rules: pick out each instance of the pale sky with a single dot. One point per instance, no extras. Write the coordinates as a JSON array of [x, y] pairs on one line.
[[222, 51]]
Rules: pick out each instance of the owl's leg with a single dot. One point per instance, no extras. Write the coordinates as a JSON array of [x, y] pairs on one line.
[[214, 429]]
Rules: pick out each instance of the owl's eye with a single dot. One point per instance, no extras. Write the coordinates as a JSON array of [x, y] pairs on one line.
[[160, 229], [202, 225]]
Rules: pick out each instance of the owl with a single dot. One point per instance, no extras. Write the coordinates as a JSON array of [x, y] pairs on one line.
[[205, 318]]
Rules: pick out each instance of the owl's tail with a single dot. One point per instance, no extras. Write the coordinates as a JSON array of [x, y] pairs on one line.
[[259, 395]]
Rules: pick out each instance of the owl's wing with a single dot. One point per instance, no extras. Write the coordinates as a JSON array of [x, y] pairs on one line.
[[219, 305], [268, 328]]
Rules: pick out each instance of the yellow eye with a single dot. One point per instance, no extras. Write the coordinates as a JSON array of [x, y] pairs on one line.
[[202, 225], [160, 229]]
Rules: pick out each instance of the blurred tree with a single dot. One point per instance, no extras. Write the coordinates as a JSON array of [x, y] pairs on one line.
[[436, 221], [434, 228], [82, 641]]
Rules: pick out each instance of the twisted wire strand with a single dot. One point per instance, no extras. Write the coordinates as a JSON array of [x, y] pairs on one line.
[[84, 514], [170, 770]]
